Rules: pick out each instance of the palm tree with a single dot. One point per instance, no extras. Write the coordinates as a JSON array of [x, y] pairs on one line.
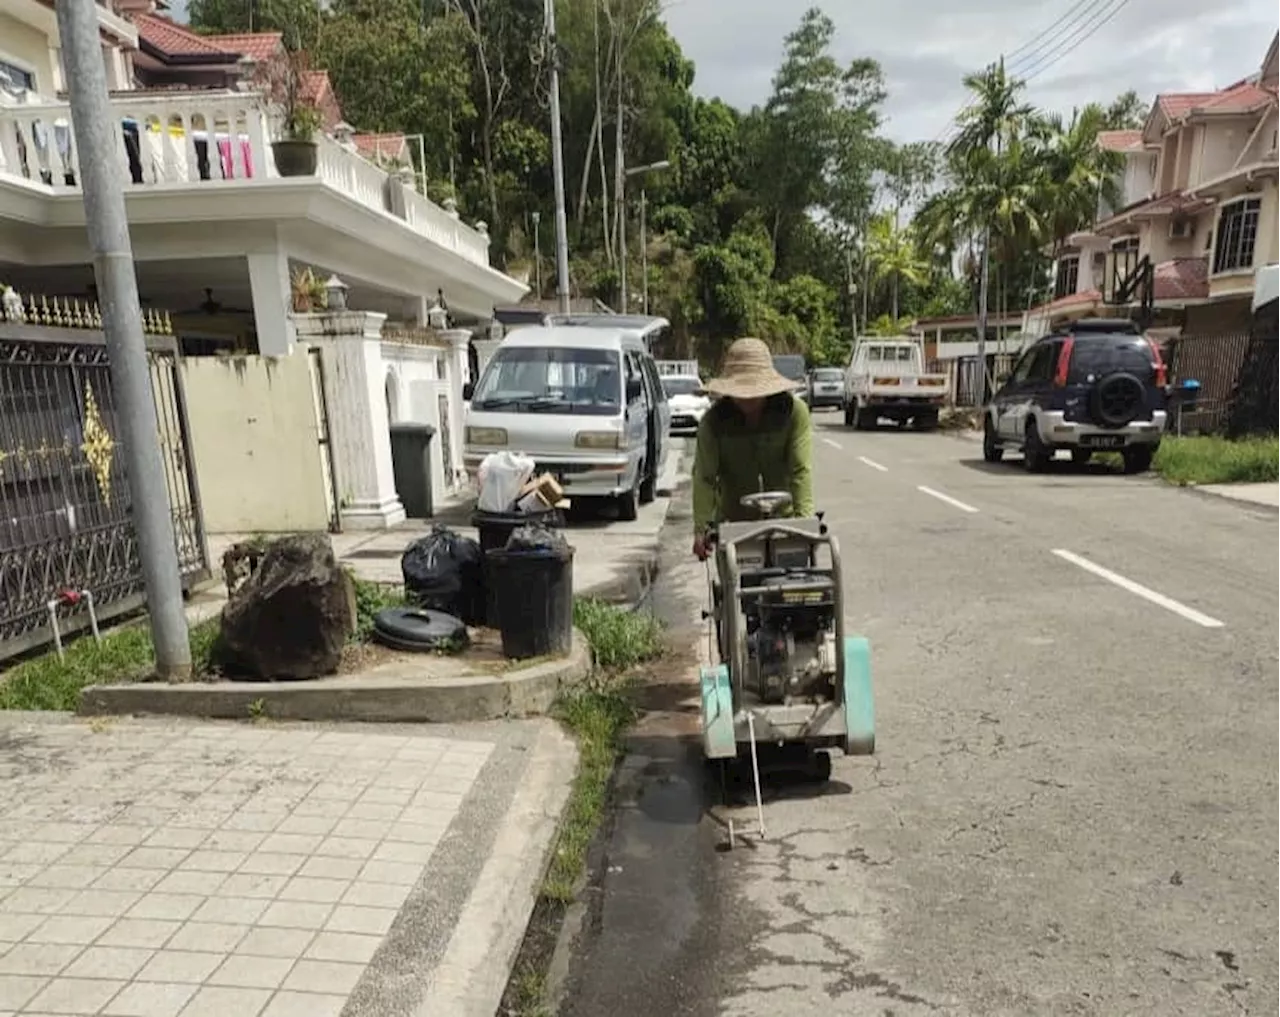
[[894, 256]]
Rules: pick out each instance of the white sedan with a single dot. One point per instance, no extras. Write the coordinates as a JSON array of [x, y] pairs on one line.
[[688, 401]]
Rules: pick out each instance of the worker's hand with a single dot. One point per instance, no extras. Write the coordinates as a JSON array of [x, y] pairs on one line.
[[701, 547]]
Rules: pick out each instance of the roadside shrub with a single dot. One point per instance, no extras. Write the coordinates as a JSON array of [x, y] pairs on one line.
[[1209, 459]]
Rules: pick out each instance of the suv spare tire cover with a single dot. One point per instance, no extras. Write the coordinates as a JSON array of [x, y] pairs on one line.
[[1117, 399]]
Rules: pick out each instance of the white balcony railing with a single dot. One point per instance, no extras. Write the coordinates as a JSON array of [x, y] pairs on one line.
[[192, 140]]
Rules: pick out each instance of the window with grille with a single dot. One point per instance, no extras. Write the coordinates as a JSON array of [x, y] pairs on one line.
[[1067, 278], [1236, 235], [1125, 244]]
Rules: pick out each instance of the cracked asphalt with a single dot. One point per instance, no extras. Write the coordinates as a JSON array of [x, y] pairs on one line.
[[1073, 805]]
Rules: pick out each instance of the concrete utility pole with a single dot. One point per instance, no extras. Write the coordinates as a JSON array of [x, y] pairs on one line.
[[557, 165], [102, 181]]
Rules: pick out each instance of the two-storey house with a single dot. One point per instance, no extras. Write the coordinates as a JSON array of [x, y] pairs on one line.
[[1197, 217], [217, 232]]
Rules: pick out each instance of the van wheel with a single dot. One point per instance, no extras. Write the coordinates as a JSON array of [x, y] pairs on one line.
[[848, 415], [648, 486], [628, 506]]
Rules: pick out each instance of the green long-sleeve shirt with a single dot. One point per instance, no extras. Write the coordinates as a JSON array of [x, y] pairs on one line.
[[735, 457]]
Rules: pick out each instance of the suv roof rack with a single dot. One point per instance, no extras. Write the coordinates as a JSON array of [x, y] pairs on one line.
[[1101, 326]]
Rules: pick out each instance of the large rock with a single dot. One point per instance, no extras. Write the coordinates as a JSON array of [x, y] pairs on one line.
[[292, 616]]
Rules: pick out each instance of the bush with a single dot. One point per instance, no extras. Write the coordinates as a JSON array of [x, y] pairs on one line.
[[370, 599], [1210, 459]]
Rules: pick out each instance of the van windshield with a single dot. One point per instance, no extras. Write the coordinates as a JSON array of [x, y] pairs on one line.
[[551, 379], [828, 374]]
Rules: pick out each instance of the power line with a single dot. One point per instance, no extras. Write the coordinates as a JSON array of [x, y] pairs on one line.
[[1098, 14]]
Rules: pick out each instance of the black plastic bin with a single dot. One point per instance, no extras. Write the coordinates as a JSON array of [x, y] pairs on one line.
[[411, 467], [534, 594], [494, 529]]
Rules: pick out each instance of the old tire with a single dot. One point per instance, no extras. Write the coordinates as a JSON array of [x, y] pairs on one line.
[[1035, 456], [1137, 458], [992, 450]]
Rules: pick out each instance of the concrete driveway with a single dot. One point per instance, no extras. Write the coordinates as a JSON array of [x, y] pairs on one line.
[[1072, 809]]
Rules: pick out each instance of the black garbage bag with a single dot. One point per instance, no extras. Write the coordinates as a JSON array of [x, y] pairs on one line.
[[445, 572], [536, 537]]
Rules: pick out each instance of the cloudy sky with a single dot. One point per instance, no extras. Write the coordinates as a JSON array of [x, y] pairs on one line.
[[1098, 48], [926, 47]]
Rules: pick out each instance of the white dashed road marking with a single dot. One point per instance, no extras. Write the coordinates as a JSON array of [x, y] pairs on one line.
[[947, 498], [833, 443], [1189, 613], [873, 464]]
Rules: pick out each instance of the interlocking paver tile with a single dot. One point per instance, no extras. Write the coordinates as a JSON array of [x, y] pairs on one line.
[[269, 864], [347, 847], [290, 914], [323, 976], [314, 890], [343, 946], [304, 1004], [151, 999], [208, 936], [75, 995], [69, 929], [276, 942], [108, 962], [166, 905], [222, 1001], [15, 990], [152, 932], [252, 972], [38, 958], [100, 902], [178, 966], [352, 918], [66, 877]]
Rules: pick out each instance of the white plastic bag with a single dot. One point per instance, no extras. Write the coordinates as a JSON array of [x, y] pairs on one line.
[[501, 476]]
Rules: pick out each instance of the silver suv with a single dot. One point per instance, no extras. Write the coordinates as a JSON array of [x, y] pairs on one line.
[[1098, 385]]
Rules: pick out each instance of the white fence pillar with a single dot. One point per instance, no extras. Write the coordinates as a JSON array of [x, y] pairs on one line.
[[458, 373], [355, 393]]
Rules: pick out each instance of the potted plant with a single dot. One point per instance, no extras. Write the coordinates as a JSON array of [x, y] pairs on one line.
[[308, 292], [295, 151]]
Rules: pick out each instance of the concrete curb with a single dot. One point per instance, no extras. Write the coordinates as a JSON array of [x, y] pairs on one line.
[[1206, 491], [472, 975], [404, 696]]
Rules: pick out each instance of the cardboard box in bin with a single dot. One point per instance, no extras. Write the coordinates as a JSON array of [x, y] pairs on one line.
[[539, 494]]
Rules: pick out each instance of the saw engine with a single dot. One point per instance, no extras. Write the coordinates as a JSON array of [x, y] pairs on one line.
[[791, 642]]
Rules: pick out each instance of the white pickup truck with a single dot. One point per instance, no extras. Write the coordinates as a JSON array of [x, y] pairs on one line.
[[886, 378]]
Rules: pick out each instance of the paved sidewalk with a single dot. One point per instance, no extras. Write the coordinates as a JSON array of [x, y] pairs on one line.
[[168, 869], [1254, 494]]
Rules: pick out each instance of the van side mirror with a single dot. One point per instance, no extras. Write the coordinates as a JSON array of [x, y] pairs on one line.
[[634, 389], [468, 390]]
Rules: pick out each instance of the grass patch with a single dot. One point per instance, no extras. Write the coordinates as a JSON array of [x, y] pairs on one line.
[[619, 638], [1207, 459], [125, 655], [370, 599]]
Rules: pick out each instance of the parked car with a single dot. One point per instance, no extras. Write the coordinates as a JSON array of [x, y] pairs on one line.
[[585, 403], [826, 388], [688, 401], [1097, 385]]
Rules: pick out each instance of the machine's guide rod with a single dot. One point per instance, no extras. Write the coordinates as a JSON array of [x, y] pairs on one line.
[[759, 830]]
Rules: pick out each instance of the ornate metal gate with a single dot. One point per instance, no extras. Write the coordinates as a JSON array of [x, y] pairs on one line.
[[65, 512]]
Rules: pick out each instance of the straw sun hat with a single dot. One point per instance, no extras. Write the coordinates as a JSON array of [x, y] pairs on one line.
[[748, 372]]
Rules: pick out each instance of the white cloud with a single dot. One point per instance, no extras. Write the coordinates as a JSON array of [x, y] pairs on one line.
[[925, 49]]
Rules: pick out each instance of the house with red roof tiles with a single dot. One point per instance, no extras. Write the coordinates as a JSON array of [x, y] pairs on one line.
[[1197, 219], [217, 230]]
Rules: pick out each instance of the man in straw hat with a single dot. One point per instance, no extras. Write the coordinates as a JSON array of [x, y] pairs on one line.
[[755, 438]]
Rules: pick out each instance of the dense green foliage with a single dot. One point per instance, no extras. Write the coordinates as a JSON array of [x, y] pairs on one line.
[[796, 221]]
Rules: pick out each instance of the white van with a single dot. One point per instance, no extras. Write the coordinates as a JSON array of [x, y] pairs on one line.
[[585, 403]]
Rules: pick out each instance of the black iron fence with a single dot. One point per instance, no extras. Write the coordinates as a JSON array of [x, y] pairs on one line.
[[65, 508]]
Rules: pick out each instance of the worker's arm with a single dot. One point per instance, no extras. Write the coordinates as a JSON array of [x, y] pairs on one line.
[[706, 476], [800, 458]]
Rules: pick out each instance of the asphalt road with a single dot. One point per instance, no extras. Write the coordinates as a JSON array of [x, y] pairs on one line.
[[1073, 805]]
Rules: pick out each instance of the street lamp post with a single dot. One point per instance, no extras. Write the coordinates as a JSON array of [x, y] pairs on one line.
[[634, 171]]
